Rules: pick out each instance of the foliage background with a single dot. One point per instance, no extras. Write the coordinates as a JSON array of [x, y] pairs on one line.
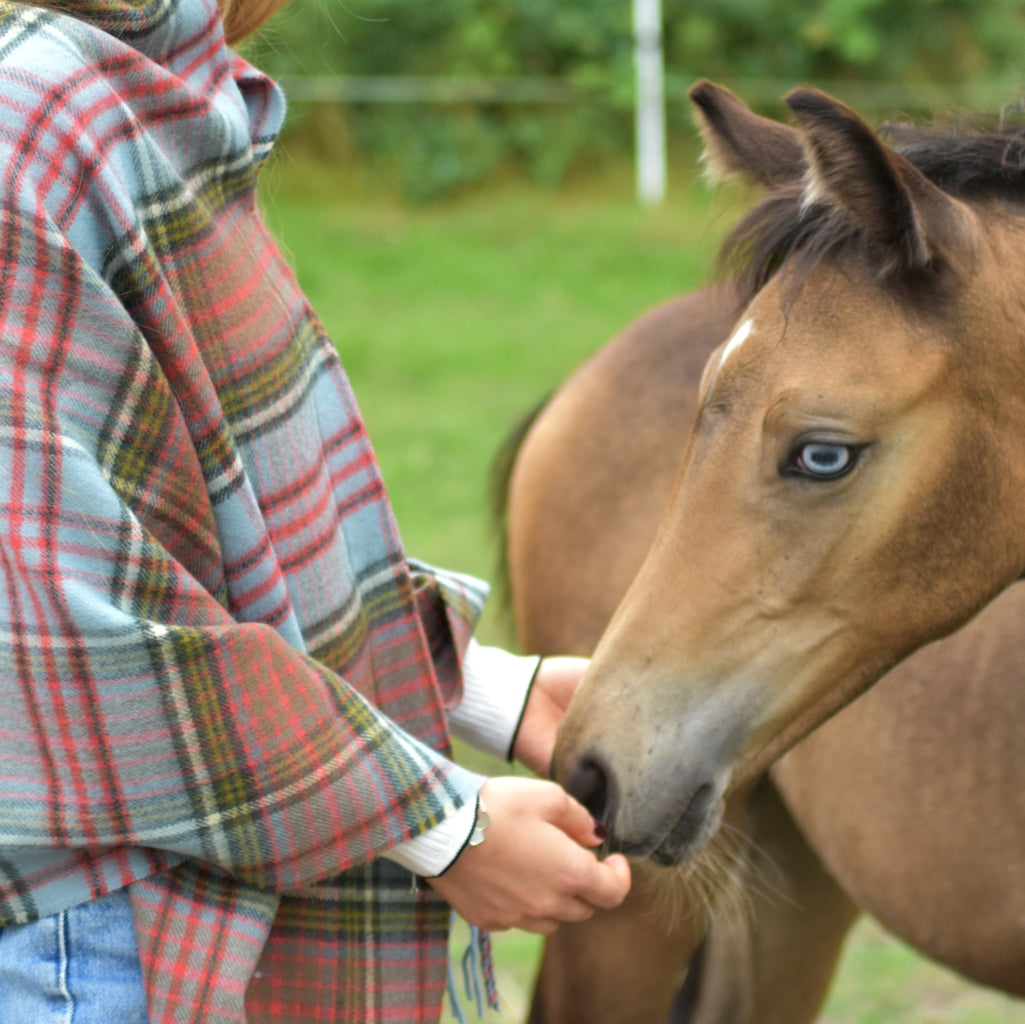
[[880, 55]]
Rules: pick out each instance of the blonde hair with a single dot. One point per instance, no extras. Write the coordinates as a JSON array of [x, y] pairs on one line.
[[243, 17]]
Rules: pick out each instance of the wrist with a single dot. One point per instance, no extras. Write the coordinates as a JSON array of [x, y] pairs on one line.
[[496, 686], [434, 851], [512, 755], [476, 836]]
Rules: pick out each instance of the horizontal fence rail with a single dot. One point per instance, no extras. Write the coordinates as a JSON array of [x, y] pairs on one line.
[[425, 89], [655, 93], [993, 96]]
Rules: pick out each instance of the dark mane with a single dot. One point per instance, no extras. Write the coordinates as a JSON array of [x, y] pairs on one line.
[[970, 165]]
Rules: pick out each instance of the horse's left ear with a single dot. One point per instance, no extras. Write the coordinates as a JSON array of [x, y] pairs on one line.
[[740, 142], [913, 222]]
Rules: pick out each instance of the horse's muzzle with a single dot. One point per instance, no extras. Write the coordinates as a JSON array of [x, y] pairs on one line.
[[672, 838]]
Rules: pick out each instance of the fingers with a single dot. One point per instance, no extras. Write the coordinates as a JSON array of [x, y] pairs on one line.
[[574, 819], [585, 879], [533, 871], [617, 880], [559, 677], [608, 883], [576, 914], [544, 920], [554, 685], [568, 910], [609, 893], [597, 883]]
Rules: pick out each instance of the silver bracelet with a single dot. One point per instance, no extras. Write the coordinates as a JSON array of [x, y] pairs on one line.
[[480, 823]]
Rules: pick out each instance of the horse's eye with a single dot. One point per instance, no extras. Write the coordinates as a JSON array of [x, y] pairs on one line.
[[822, 460]]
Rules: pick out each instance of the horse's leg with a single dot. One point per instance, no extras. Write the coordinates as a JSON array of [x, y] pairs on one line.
[[621, 967], [771, 960]]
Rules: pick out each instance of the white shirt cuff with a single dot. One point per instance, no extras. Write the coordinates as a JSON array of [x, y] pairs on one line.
[[496, 685], [430, 853]]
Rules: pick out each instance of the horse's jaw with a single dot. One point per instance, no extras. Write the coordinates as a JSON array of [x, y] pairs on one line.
[[659, 739]]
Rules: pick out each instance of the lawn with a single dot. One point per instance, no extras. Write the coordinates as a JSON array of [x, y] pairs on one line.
[[452, 322]]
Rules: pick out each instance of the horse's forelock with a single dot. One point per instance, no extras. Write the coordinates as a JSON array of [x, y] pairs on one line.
[[782, 230]]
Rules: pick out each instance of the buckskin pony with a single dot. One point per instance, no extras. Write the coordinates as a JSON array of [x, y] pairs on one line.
[[750, 506]]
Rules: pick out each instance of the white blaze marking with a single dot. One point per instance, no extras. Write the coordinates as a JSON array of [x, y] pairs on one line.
[[740, 335]]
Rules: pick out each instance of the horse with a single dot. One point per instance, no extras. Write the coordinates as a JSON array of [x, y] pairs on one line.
[[765, 509]]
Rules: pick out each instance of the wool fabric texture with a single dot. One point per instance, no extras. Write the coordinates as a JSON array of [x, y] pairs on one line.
[[223, 684]]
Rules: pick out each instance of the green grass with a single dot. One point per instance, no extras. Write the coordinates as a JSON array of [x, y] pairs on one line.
[[452, 322], [881, 981]]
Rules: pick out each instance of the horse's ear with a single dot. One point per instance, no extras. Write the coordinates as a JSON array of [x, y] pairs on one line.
[[740, 142], [911, 220]]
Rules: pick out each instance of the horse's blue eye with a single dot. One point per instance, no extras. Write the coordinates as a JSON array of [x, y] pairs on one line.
[[825, 459], [821, 460]]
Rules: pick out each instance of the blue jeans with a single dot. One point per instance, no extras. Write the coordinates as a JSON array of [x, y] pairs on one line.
[[80, 966]]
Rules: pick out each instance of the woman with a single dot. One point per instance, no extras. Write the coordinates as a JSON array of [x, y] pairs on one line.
[[225, 784]]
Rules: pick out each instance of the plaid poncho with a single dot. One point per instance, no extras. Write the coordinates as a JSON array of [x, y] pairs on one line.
[[210, 633]]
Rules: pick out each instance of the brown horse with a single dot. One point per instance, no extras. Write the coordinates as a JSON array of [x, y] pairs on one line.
[[848, 493]]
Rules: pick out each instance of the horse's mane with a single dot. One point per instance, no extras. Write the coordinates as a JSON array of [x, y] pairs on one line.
[[970, 164]]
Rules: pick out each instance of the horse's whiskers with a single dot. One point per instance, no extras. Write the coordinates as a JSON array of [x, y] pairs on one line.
[[713, 884], [723, 883]]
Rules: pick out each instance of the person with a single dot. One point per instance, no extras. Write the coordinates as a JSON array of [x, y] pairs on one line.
[[226, 784]]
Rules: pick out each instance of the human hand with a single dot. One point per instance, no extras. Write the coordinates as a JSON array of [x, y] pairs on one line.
[[554, 685], [532, 871]]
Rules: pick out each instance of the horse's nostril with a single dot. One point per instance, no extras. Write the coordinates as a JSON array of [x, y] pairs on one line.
[[590, 783]]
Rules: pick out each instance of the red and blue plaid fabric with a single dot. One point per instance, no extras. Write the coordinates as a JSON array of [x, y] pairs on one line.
[[216, 670]]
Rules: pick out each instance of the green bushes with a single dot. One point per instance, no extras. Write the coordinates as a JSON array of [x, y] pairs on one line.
[[955, 52]]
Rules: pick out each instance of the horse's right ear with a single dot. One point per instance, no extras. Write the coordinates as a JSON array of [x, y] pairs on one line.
[[912, 221], [740, 142]]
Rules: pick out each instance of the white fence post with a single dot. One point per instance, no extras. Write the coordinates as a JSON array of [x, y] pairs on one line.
[[650, 115]]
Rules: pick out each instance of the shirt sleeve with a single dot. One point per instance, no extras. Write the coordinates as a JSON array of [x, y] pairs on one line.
[[434, 852], [496, 685]]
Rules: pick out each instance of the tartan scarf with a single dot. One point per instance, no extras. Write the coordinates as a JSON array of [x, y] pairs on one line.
[[223, 684]]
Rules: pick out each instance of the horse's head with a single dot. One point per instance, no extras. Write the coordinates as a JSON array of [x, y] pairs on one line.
[[853, 486]]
